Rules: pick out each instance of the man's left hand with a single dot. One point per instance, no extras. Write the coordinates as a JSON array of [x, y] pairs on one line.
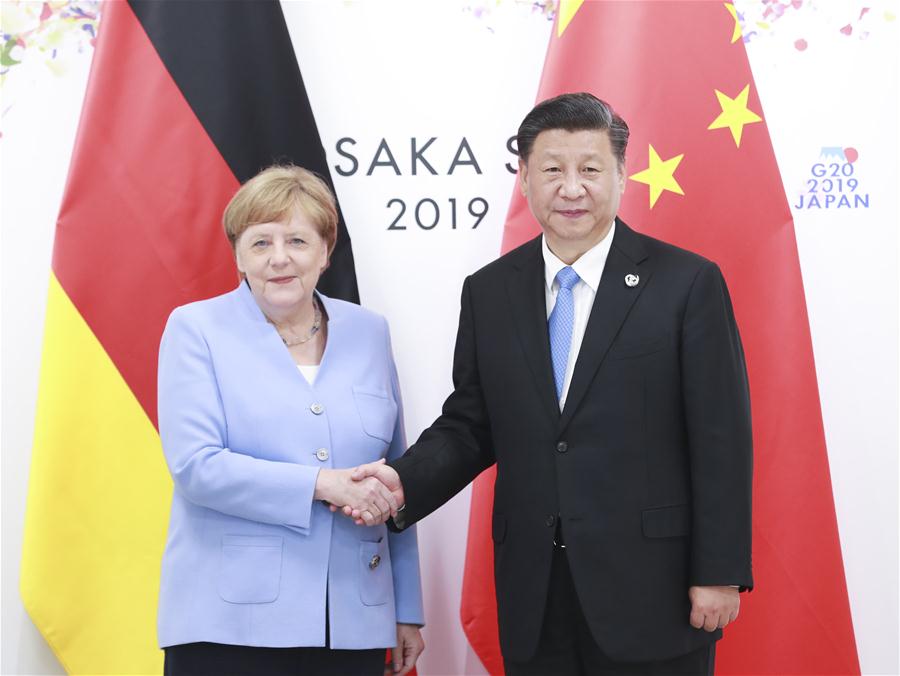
[[713, 607]]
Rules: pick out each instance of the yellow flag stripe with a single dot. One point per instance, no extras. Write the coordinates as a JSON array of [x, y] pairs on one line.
[[98, 504]]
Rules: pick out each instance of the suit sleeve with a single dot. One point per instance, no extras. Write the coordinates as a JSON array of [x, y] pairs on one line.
[[404, 547], [193, 430], [457, 447], [717, 413]]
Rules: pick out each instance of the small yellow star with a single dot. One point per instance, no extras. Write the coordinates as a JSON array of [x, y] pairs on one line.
[[736, 34], [660, 175], [735, 114], [567, 9]]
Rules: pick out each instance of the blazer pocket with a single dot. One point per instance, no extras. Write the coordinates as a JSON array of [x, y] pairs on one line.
[[638, 348], [498, 529], [377, 412], [375, 583], [666, 522], [250, 568]]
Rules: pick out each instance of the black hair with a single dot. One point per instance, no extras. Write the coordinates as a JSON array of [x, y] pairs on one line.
[[573, 112]]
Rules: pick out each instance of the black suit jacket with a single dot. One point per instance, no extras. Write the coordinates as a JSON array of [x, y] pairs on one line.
[[648, 467]]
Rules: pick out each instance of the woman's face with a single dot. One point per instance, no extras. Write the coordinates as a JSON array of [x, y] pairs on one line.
[[282, 262]]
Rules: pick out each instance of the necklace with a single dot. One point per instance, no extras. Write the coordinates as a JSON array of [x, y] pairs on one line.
[[313, 330]]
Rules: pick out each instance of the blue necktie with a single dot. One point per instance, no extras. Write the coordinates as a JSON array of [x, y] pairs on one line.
[[560, 326]]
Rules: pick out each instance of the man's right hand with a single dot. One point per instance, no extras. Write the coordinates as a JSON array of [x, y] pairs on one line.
[[368, 499], [389, 478]]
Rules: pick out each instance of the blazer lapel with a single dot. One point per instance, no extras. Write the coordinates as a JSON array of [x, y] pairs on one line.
[[266, 339], [612, 304], [340, 334], [527, 299]]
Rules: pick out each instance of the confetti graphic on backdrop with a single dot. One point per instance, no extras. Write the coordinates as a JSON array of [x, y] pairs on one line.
[[41, 38], [793, 19], [488, 10], [47, 31]]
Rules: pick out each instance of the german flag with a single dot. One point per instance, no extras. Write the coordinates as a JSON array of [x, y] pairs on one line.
[[702, 175], [185, 101]]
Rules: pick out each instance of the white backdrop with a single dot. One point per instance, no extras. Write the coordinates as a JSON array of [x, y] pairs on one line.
[[465, 74]]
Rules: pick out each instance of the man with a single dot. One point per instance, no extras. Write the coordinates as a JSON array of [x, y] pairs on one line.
[[603, 372]]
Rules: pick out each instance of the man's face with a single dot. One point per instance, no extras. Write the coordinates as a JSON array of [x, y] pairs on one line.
[[573, 185]]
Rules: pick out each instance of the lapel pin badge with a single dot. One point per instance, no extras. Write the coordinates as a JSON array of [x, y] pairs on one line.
[[631, 280]]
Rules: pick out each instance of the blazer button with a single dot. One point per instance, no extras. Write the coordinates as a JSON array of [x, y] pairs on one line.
[[562, 447], [374, 561], [322, 454], [317, 408], [550, 520]]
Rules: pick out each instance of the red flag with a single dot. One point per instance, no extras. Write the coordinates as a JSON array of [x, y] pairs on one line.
[[702, 175]]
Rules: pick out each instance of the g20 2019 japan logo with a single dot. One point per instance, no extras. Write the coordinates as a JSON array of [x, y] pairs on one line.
[[833, 182]]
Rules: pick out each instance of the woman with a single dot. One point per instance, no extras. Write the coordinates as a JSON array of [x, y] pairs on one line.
[[264, 393]]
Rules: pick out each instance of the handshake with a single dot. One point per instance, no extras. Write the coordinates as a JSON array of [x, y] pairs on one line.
[[369, 494]]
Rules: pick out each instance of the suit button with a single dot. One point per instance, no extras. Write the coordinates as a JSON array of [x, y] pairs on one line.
[[374, 561], [550, 520], [317, 408], [322, 454], [562, 447]]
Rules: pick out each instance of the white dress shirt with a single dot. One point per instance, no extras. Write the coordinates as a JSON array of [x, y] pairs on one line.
[[589, 268], [309, 371]]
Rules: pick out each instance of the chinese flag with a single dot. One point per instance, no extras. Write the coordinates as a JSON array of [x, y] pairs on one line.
[[185, 101], [702, 175]]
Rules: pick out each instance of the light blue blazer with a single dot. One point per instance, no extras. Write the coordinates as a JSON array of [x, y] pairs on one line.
[[250, 556]]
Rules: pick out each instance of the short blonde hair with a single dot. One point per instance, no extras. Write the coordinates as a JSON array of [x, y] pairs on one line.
[[274, 194]]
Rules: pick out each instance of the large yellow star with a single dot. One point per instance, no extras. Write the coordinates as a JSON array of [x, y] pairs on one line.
[[735, 114], [660, 175], [736, 33]]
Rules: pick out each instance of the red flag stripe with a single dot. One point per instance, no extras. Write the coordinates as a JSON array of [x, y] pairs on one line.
[[135, 236]]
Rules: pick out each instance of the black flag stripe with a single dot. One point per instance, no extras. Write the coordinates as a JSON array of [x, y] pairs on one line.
[[235, 64]]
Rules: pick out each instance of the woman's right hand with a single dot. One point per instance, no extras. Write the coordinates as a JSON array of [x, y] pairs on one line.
[[373, 500]]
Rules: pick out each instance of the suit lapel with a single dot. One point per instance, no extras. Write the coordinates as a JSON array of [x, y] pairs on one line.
[[612, 304], [527, 299]]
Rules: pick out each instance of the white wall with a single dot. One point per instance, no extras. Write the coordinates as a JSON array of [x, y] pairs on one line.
[[41, 104], [453, 73]]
